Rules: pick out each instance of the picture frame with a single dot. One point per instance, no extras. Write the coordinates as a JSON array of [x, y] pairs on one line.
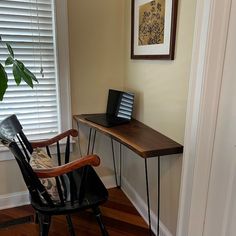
[[153, 29]]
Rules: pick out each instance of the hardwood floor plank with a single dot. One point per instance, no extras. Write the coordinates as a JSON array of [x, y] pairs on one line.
[[120, 219], [123, 216], [121, 207]]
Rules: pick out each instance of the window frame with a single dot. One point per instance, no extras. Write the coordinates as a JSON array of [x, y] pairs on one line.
[[62, 70], [63, 65]]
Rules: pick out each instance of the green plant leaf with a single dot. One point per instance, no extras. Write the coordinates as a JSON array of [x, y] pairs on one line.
[[20, 64], [3, 81], [28, 72], [26, 77], [16, 73], [28, 80], [9, 61], [21, 70], [10, 49]]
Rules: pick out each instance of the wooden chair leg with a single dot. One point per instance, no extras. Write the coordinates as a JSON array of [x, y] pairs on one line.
[[36, 217], [98, 215], [44, 224], [70, 225]]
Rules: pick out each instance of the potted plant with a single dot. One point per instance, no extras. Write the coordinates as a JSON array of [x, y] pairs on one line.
[[19, 71]]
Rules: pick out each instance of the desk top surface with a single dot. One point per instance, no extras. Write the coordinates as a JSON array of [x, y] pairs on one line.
[[140, 138]]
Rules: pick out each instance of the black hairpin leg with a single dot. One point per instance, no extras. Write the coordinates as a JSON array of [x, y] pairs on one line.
[[114, 161], [89, 141], [94, 139], [159, 197], [148, 198], [120, 163], [80, 151]]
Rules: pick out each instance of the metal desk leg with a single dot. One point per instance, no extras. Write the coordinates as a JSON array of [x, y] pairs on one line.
[[120, 163], [94, 139], [89, 141], [159, 197], [114, 162], [148, 199], [79, 146]]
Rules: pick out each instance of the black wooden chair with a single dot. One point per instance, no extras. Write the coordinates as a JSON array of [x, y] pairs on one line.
[[79, 187]]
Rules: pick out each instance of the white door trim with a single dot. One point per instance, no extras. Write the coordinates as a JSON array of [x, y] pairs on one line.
[[211, 26]]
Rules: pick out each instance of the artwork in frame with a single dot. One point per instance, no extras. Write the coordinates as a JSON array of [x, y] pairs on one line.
[[153, 29]]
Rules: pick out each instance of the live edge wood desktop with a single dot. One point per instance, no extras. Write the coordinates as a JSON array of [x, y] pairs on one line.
[[140, 138]]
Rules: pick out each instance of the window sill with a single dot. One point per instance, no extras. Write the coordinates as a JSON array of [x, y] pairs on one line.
[[6, 155]]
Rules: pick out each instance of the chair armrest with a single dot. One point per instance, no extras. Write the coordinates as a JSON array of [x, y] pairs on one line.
[[92, 160], [72, 132]]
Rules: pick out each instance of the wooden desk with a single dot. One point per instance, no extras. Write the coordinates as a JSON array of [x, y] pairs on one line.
[[140, 138]]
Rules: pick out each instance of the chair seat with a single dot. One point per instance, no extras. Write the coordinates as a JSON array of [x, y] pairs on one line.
[[93, 193]]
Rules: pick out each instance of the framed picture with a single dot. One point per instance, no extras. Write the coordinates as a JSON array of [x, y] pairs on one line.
[[153, 29]]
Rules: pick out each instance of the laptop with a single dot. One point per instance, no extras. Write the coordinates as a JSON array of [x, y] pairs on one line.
[[119, 109]]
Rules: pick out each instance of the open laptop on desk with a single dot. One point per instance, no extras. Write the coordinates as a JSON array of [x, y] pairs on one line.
[[119, 109]]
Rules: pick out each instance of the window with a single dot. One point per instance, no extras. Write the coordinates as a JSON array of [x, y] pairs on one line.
[[30, 27]]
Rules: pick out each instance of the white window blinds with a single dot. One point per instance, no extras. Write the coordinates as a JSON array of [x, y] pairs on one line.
[[28, 25]]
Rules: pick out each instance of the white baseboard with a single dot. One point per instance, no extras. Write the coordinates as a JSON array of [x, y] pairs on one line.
[[14, 200], [141, 207], [109, 181], [22, 198]]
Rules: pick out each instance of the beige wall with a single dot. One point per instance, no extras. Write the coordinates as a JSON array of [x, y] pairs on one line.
[[161, 95], [96, 36], [161, 86], [99, 34], [11, 178], [96, 52], [100, 59]]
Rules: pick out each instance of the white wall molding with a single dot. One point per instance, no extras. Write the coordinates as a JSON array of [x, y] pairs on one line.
[[192, 116], [109, 181], [204, 93], [63, 63], [14, 200], [141, 207]]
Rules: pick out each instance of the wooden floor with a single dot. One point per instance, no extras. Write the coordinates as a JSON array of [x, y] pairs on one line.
[[120, 218]]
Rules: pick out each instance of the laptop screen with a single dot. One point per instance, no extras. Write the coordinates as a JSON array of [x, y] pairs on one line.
[[112, 101], [120, 104]]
